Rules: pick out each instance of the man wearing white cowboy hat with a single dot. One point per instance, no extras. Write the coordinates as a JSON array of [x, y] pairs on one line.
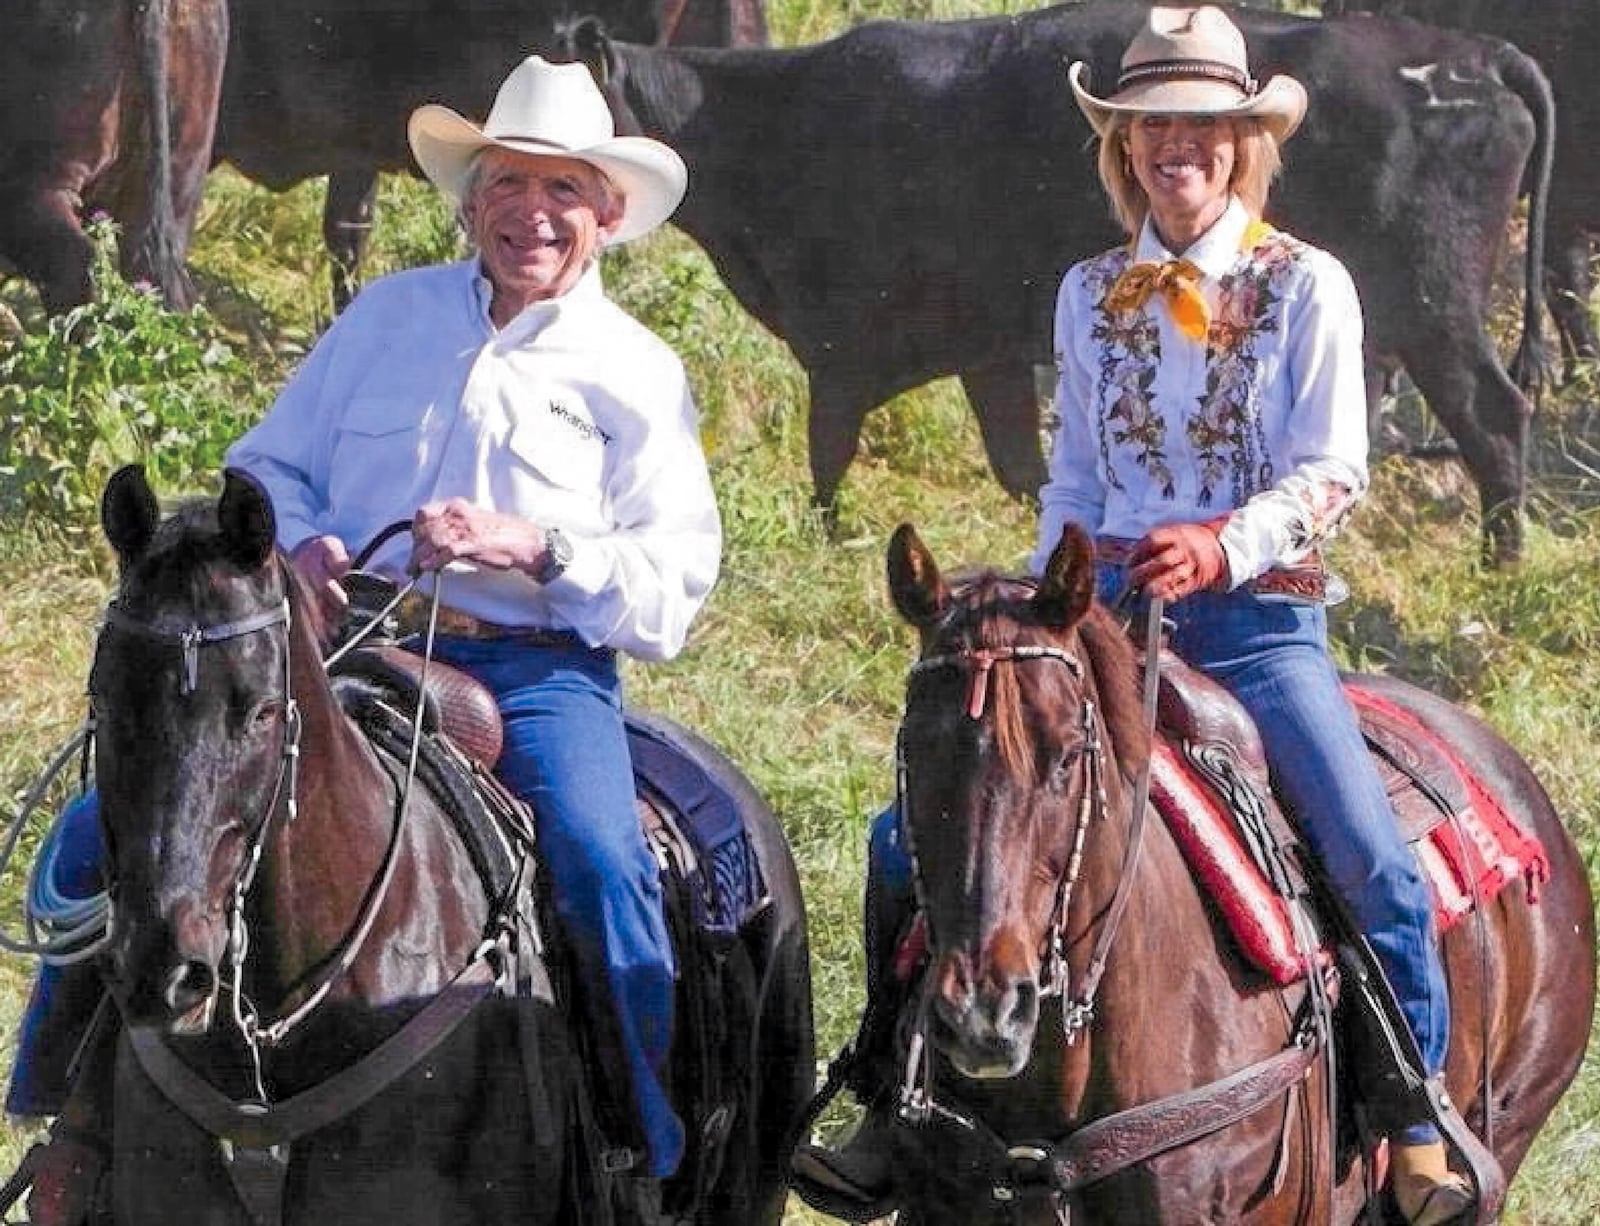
[[544, 448], [1213, 437]]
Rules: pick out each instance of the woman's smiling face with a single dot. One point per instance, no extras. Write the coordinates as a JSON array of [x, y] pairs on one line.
[[537, 222], [1185, 165]]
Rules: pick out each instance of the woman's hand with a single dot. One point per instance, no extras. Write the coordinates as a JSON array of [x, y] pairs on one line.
[[321, 562], [1176, 559], [458, 531]]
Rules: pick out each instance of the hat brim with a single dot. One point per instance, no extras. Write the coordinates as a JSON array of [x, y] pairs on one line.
[[1280, 104], [650, 176]]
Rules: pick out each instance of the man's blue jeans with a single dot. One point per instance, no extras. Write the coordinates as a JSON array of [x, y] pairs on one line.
[[1271, 653], [566, 753]]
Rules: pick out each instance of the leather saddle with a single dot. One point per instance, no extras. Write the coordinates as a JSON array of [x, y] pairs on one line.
[[1420, 780]]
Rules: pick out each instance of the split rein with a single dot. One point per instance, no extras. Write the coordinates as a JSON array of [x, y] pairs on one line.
[[979, 663], [1102, 1147], [64, 930]]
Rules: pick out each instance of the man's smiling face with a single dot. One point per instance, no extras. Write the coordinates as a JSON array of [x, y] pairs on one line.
[[537, 222]]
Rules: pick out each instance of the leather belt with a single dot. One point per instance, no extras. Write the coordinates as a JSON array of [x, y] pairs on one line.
[[1307, 579], [412, 618]]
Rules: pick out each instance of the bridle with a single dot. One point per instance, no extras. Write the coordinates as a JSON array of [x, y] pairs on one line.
[[1094, 1150], [979, 664], [255, 1031]]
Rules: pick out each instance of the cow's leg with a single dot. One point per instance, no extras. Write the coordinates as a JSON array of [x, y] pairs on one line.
[[1469, 391], [346, 226], [839, 408], [1569, 282], [40, 232], [1004, 397]]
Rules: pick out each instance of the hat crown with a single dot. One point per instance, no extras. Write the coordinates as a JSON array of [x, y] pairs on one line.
[[1203, 35], [550, 104]]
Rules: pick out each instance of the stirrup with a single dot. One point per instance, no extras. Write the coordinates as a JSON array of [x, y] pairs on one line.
[[820, 1176], [1487, 1179], [1451, 1201]]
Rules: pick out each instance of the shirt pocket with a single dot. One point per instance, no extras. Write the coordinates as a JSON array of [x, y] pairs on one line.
[[560, 447], [378, 427]]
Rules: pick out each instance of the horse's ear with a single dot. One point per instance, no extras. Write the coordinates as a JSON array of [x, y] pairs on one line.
[[129, 513], [918, 590], [1067, 587], [244, 514]]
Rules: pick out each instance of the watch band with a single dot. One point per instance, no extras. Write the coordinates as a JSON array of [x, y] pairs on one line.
[[557, 556]]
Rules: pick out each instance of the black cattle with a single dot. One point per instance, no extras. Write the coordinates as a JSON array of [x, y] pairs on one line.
[[315, 87], [106, 106], [1564, 36], [900, 203]]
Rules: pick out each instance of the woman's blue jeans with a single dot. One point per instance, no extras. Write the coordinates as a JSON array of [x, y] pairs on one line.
[[1271, 654], [566, 754]]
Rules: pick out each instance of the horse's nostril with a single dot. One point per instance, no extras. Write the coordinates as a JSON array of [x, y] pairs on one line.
[[1023, 1015], [188, 984]]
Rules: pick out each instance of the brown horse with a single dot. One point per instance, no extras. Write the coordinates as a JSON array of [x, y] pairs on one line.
[[303, 950], [1178, 1087]]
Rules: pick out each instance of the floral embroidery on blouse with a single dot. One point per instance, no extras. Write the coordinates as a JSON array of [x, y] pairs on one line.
[[1129, 344], [1226, 432]]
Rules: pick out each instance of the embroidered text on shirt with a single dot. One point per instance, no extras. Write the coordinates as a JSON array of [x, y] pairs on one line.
[[586, 428]]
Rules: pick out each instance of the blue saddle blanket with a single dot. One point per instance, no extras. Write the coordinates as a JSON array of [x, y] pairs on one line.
[[726, 886]]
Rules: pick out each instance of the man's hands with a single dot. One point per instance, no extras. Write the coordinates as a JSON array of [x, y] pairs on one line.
[[321, 562], [1176, 559], [456, 531], [441, 533]]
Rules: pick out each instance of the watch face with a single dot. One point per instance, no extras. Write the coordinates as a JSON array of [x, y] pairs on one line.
[[560, 547]]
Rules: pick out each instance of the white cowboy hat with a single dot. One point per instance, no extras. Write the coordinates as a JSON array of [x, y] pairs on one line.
[[554, 110], [1191, 61]]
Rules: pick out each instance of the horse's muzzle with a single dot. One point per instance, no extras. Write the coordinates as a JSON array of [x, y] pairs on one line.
[[983, 1025]]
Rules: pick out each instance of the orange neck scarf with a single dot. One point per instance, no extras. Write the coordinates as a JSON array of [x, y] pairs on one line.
[[1178, 281]]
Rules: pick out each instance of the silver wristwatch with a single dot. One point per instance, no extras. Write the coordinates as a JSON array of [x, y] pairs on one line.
[[557, 556]]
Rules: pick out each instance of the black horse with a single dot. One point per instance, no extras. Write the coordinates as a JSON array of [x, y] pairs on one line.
[[313, 980]]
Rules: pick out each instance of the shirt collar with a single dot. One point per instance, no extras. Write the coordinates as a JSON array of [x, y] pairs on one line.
[[536, 316], [1213, 252]]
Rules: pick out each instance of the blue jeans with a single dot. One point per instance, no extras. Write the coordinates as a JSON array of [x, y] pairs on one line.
[[63, 998], [566, 753], [1271, 653]]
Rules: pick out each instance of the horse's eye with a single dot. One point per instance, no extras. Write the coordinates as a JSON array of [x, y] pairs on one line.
[[265, 714], [1063, 768]]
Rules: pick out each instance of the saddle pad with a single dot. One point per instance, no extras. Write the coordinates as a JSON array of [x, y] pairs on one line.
[[1494, 852], [726, 882], [1205, 831], [1495, 849]]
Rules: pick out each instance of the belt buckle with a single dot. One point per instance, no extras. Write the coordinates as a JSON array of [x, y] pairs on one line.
[[413, 614]]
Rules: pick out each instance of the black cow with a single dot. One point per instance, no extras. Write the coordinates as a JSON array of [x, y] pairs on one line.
[[1564, 36], [900, 203], [315, 87], [106, 106]]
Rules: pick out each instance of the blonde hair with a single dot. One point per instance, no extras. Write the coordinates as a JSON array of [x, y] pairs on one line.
[[1256, 163]]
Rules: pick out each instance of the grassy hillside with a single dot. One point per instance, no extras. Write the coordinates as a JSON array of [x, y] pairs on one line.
[[798, 664]]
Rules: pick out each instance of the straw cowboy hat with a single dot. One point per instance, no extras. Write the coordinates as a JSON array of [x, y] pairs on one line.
[[1191, 61], [554, 110]]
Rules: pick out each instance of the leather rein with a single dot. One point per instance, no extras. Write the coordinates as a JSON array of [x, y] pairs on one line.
[[256, 1031], [1112, 1143]]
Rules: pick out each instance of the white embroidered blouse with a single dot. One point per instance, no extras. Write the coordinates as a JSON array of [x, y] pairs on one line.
[[1265, 422]]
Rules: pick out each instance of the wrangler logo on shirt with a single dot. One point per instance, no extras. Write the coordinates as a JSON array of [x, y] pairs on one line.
[[586, 428]]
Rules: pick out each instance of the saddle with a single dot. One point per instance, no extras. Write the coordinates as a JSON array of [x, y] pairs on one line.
[[710, 875], [1211, 783]]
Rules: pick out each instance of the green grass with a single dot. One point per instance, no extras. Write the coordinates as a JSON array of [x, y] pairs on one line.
[[797, 666]]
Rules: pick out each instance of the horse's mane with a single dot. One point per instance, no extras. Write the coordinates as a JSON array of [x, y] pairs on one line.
[[988, 611]]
